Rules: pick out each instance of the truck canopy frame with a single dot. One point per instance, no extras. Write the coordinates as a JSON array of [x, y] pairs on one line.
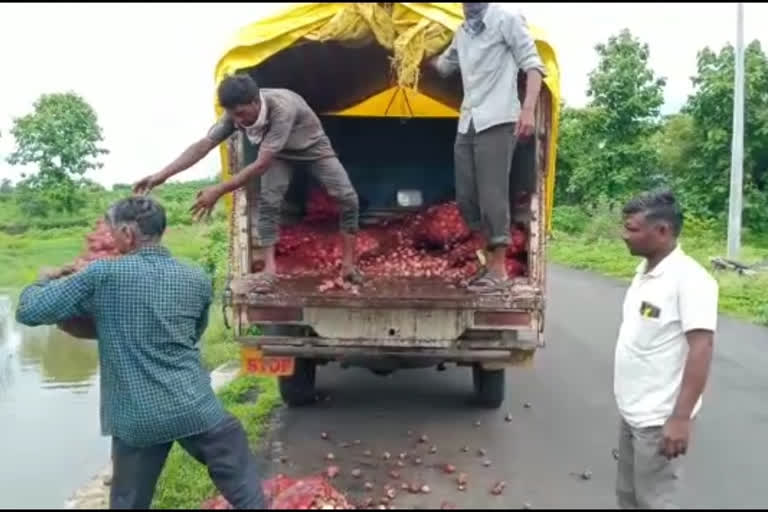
[[304, 32]]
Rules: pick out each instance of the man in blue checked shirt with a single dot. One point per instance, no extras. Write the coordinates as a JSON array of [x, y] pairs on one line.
[[148, 312]]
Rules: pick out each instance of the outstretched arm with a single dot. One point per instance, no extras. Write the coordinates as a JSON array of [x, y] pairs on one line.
[[193, 154]]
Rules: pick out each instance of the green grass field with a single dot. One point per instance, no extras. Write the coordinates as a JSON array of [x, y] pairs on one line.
[[595, 245]]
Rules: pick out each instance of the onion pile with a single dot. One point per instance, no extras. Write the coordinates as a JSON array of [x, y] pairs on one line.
[[442, 227], [283, 493], [321, 207], [433, 244], [99, 245]]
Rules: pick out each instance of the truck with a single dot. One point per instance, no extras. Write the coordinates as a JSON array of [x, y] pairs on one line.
[[395, 138]]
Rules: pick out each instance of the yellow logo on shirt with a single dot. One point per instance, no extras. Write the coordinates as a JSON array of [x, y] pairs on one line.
[[648, 310]]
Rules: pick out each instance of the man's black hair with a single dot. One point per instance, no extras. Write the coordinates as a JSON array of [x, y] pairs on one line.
[[145, 212], [239, 89], [657, 205]]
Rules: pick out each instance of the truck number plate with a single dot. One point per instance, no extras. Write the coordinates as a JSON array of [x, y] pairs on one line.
[[255, 363]]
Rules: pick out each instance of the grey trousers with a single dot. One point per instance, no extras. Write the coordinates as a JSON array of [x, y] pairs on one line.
[[482, 166], [645, 478], [274, 184], [224, 449]]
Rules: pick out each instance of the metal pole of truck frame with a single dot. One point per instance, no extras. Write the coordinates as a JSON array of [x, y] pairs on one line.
[[737, 144]]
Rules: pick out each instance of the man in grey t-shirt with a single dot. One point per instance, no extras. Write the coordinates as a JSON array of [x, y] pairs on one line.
[[287, 131]]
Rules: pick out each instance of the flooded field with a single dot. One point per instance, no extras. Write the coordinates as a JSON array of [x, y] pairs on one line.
[[49, 412]]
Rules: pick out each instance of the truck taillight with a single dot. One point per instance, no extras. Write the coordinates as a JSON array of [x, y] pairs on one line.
[[502, 319], [256, 315]]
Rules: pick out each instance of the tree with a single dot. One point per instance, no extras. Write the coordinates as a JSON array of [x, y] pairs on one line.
[[6, 190], [616, 159], [676, 145], [707, 182], [574, 154], [62, 138]]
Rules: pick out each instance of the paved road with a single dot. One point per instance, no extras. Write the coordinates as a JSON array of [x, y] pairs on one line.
[[571, 426]]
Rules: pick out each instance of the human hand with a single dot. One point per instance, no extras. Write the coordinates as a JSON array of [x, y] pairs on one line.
[[675, 435], [146, 184], [206, 200], [48, 273], [526, 125]]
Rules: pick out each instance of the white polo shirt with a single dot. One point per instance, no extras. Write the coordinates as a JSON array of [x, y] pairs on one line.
[[660, 306]]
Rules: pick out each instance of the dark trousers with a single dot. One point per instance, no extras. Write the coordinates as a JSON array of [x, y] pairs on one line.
[[274, 185], [224, 449], [482, 166]]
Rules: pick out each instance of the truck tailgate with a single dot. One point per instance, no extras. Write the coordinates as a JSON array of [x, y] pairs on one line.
[[388, 293]]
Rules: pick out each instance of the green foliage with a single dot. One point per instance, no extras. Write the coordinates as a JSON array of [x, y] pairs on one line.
[[624, 88], [216, 251], [605, 154], [592, 242], [27, 243], [616, 146], [571, 219], [175, 197], [706, 184], [61, 137]]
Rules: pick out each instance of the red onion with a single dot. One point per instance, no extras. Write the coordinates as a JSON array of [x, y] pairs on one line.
[[433, 245]]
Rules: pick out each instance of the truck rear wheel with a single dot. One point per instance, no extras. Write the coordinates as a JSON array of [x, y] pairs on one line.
[[489, 386], [299, 389]]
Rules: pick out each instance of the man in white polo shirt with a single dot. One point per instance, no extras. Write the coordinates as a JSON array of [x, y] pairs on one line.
[[663, 353]]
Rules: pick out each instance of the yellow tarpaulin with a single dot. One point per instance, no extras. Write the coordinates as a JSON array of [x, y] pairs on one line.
[[410, 31]]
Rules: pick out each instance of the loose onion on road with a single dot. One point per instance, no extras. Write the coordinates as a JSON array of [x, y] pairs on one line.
[[498, 488]]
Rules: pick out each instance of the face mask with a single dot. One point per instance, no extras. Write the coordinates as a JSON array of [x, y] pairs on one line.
[[473, 14], [474, 11], [255, 132]]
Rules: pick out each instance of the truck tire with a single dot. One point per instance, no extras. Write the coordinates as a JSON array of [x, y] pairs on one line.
[[489, 387], [299, 389]]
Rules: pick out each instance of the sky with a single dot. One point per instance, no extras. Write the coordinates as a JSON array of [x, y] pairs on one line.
[[147, 69]]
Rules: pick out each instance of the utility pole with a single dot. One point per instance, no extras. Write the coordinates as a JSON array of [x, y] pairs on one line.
[[737, 143]]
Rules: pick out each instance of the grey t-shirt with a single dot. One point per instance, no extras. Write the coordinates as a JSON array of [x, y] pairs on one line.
[[294, 131]]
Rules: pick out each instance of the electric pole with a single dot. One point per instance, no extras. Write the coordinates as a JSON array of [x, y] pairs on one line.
[[737, 143]]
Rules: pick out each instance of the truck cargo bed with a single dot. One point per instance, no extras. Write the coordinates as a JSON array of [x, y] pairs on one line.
[[385, 293]]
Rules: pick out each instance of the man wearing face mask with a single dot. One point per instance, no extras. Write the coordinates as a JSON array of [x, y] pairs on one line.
[[287, 132], [489, 49]]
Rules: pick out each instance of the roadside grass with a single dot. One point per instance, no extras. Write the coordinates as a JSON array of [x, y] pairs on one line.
[[185, 483], [593, 243], [217, 346], [22, 256]]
